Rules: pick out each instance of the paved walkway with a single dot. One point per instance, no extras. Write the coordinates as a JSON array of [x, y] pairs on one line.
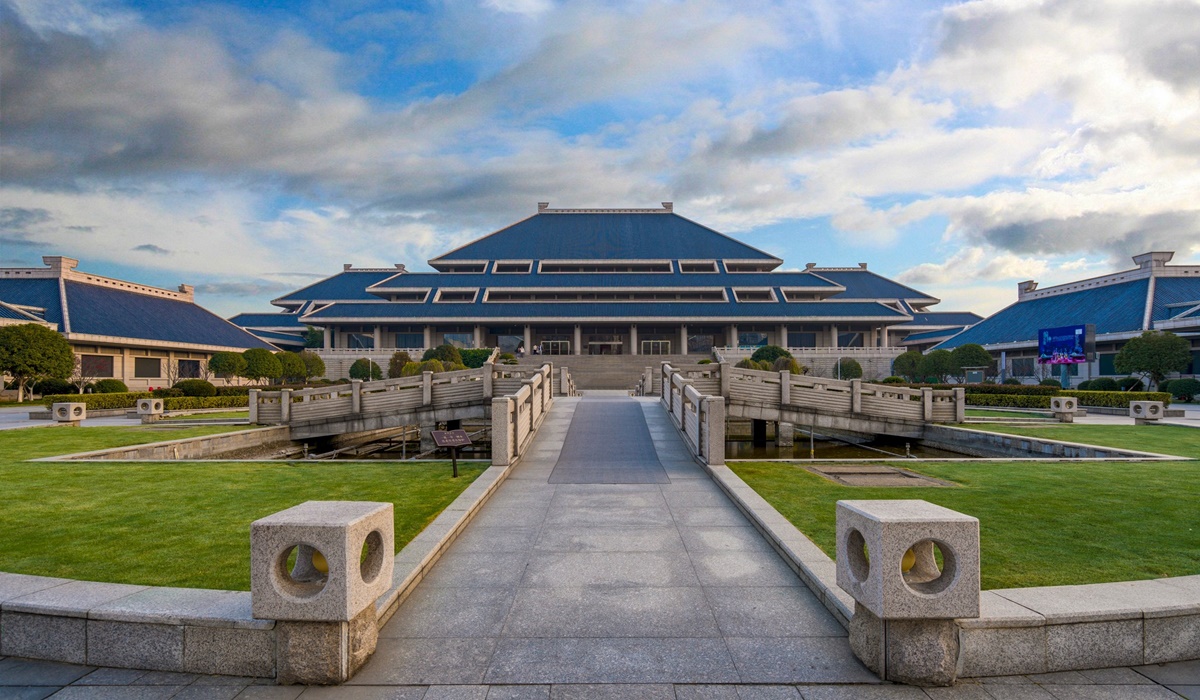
[[580, 586]]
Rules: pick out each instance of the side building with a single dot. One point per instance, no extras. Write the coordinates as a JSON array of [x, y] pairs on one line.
[[1152, 296], [142, 335], [608, 282]]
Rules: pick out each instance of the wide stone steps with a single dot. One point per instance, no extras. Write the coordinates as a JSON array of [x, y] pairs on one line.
[[609, 371]]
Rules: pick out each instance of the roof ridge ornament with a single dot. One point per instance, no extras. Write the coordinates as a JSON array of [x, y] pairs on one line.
[[667, 208]]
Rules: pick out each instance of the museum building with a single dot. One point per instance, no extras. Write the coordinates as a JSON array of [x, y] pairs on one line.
[[145, 336], [1154, 296], [605, 282]]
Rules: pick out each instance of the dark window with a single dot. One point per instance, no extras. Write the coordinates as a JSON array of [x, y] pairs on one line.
[[752, 340], [850, 340], [710, 266], [749, 267], [802, 340], [1107, 368], [1022, 366], [410, 340], [512, 267], [361, 341], [147, 367], [96, 365], [189, 369], [465, 267], [457, 296], [744, 295], [417, 296], [553, 267]]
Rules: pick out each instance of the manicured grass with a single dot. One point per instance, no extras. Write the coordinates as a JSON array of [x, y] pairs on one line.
[[178, 524], [984, 413], [1163, 439], [1041, 523]]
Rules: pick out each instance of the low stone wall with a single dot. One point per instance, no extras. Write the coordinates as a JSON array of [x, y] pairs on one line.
[[980, 443], [187, 448], [1019, 630]]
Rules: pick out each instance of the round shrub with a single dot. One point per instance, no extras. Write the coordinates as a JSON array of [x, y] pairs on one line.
[[445, 353], [787, 363], [1186, 389], [893, 380], [166, 393], [1104, 384], [455, 366], [475, 357], [769, 353], [1085, 386], [705, 361], [365, 370], [396, 364], [434, 366], [110, 386], [1012, 381], [53, 385], [1051, 382], [1165, 386], [847, 368], [410, 369], [1131, 384], [746, 363], [196, 387], [506, 356]]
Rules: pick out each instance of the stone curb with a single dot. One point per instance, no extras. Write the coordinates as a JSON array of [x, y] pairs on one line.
[[183, 448]]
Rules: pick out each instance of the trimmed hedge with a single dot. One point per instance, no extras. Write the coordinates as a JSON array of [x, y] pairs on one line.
[[234, 390], [474, 358], [1097, 399], [189, 402], [1015, 389], [99, 402]]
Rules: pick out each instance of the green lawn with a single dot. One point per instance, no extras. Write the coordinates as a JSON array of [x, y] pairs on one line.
[[178, 524], [1163, 439], [986, 413], [1041, 523]]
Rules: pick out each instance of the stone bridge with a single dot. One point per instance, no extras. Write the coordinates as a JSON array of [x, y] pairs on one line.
[[425, 399], [796, 399]]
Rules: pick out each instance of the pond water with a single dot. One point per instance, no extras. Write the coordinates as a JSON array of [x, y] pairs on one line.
[[881, 447]]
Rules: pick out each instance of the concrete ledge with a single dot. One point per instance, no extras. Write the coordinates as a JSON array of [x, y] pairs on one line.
[[981, 443], [187, 448]]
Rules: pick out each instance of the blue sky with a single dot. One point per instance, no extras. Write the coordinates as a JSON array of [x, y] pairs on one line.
[[249, 148]]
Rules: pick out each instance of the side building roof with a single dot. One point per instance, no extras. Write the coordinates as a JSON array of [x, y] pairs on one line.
[[864, 284], [1114, 308]]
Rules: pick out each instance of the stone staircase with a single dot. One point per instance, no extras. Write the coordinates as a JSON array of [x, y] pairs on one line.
[[609, 371]]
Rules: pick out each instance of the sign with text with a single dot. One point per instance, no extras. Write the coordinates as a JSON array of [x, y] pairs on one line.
[[450, 438], [1065, 345]]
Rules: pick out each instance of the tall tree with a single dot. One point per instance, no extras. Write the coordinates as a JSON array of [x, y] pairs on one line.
[[30, 351], [293, 365], [227, 365], [1154, 354], [908, 365], [314, 366], [939, 364], [971, 355], [261, 365]]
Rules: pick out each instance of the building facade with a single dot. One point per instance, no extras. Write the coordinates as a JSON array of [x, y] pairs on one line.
[[145, 336], [605, 282], [1152, 296]]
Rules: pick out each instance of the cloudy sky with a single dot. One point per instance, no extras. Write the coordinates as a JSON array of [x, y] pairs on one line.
[[250, 148]]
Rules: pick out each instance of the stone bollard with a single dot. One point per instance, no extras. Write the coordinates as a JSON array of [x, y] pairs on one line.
[[1145, 412], [150, 410], [69, 413], [324, 604], [1063, 408], [905, 605]]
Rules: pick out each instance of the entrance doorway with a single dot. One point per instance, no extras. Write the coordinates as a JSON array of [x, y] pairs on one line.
[[604, 347], [656, 347], [556, 347]]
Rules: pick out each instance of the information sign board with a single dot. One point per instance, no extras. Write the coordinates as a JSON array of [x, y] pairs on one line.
[[1065, 345]]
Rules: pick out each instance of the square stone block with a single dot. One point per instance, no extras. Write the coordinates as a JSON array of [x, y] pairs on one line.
[[150, 407], [886, 559], [1063, 404], [1145, 410], [68, 412], [331, 579]]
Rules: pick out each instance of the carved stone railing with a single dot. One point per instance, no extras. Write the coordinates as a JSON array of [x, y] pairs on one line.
[[516, 417], [699, 416]]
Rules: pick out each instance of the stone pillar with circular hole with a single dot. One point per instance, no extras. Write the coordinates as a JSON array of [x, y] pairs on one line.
[[317, 570], [150, 410], [1064, 407], [1146, 412], [69, 413], [912, 568]]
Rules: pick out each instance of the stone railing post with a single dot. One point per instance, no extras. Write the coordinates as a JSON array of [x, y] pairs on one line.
[[426, 388], [252, 401], [324, 605], [285, 406], [564, 381], [489, 370], [785, 387], [905, 604], [960, 405], [927, 403], [856, 396], [502, 431], [724, 370], [714, 430], [356, 396]]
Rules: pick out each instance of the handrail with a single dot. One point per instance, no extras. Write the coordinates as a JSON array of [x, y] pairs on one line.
[[516, 417]]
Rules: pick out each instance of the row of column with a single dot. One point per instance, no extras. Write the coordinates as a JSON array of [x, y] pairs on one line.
[[878, 337]]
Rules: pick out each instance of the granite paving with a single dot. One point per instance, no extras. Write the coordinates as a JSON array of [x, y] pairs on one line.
[[595, 588]]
